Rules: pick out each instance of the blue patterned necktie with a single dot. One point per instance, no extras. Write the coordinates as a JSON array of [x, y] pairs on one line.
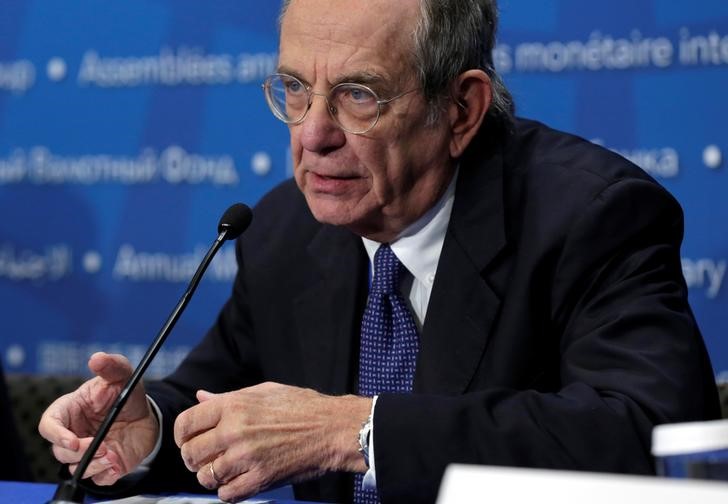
[[389, 342]]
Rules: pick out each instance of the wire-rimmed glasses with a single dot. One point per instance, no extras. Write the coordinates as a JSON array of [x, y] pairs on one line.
[[354, 107]]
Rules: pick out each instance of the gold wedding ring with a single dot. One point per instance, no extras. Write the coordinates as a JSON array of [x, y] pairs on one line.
[[214, 476]]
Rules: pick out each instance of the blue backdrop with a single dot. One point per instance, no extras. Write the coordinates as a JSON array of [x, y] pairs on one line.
[[126, 128]]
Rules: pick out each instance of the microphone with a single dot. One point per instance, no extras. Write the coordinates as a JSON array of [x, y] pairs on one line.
[[233, 222]]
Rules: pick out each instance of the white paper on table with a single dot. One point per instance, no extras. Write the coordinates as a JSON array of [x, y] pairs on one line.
[[146, 499]]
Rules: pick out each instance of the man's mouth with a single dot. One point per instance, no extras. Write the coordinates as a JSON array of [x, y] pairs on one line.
[[330, 183]]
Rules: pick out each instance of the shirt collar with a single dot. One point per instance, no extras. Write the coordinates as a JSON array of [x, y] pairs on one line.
[[418, 247]]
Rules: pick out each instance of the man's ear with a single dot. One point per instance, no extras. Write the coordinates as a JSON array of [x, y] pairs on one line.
[[471, 95]]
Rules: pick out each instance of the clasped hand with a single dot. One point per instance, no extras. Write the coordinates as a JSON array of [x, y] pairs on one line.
[[267, 434]]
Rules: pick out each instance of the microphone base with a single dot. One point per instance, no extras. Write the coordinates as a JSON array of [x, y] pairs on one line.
[[68, 492]]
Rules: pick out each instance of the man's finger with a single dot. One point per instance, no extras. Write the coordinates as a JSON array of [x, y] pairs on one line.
[[52, 425], [204, 395], [107, 477], [66, 456], [54, 432], [228, 466], [197, 419], [206, 479], [201, 448], [243, 486], [111, 367], [97, 466]]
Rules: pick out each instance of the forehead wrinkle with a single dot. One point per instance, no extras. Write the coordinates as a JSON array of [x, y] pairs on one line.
[[340, 44]]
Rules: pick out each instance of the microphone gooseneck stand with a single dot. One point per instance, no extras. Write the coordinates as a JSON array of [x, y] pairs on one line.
[[235, 220]]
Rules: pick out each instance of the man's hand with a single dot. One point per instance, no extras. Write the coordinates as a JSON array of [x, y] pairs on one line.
[[269, 433], [73, 419]]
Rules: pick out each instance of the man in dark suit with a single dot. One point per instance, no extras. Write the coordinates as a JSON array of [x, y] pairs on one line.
[[542, 283]]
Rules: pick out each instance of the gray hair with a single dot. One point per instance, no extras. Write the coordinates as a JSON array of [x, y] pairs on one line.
[[453, 36]]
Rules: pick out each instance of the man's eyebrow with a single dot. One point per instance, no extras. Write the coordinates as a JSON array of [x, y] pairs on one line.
[[368, 78], [363, 77], [291, 72]]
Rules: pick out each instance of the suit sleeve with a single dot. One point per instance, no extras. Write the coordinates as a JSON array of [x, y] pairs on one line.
[[630, 357]]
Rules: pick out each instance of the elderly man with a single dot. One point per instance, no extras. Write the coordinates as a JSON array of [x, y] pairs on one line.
[[442, 283]]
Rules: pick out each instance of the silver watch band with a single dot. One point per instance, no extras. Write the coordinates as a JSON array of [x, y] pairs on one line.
[[364, 434]]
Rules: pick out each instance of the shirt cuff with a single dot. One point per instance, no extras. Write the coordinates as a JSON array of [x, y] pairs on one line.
[[144, 464], [370, 477]]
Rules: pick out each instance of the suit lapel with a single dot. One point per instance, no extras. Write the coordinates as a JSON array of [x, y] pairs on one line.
[[463, 307], [328, 313]]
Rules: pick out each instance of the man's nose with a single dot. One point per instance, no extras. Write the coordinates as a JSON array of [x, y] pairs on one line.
[[319, 131]]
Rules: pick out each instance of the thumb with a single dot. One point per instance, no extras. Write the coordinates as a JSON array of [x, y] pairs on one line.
[[110, 367], [204, 395]]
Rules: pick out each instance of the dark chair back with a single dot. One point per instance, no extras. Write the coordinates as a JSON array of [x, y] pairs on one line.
[[30, 395]]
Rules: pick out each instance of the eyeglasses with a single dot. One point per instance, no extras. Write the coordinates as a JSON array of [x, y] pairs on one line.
[[355, 108]]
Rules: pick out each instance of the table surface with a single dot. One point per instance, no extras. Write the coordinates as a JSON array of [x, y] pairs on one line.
[[39, 493]]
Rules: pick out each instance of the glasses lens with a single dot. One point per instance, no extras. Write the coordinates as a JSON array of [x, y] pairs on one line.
[[287, 97], [355, 107]]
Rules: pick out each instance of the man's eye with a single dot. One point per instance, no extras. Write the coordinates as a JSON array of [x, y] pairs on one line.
[[358, 95], [294, 87]]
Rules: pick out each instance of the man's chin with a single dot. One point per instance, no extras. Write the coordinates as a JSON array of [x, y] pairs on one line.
[[330, 216], [329, 210]]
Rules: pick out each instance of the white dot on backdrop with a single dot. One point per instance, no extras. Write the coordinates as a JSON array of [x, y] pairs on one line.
[[15, 355], [56, 69], [712, 156], [260, 163], [92, 262]]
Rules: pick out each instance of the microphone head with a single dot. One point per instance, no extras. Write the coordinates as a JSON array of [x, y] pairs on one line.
[[235, 220]]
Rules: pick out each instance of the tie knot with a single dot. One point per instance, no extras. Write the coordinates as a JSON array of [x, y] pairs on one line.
[[386, 270]]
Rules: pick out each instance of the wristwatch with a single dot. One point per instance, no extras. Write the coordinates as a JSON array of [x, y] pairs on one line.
[[364, 433]]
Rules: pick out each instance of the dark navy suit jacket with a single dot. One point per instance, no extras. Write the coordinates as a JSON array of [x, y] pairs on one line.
[[557, 335]]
